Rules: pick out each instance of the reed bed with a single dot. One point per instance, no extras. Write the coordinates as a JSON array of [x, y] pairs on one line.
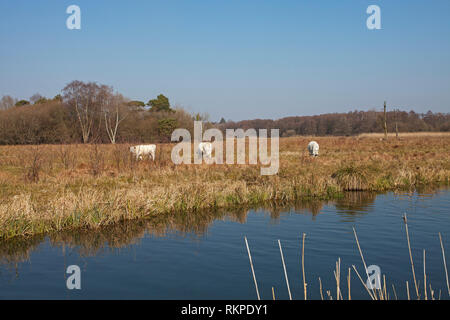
[[374, 292], [50, 188]]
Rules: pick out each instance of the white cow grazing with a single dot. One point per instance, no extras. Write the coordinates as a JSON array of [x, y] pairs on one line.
[[144, 149], [205, 148], [313, 148]]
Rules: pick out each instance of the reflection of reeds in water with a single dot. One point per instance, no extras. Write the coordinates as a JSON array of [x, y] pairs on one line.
[[19, 250], [119, 235], [125, 233], [355, 202], [374, 293]]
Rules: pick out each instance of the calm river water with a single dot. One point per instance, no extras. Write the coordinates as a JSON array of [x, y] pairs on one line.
[[204, 257]]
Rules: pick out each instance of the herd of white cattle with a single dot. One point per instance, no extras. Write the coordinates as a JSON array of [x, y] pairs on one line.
[[204, 149]]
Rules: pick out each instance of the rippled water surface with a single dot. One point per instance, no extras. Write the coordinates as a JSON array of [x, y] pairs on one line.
[[204, 256]]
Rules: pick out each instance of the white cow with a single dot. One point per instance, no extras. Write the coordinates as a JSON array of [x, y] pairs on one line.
[[144, 149], [313, 148], [205, 148]]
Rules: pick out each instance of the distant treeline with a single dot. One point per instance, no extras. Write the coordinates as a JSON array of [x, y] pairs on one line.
[[94, 113], [54, 123], [89, 113], [346, 124]]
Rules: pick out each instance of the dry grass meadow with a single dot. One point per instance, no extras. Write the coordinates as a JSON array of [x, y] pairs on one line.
[[49, 188], [406, 135]]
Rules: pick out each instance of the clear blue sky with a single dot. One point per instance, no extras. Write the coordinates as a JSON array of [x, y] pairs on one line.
[[240, 59]]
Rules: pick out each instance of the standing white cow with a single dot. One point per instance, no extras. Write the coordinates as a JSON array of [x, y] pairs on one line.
[[205, 148], [313, 148], [144, 149]]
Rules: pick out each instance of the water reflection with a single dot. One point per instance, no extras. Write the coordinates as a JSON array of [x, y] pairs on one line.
[[355, 204], [194, 225], [18, 250]]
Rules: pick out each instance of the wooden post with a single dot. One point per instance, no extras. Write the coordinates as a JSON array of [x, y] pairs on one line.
[[385, 124], [396, 124]]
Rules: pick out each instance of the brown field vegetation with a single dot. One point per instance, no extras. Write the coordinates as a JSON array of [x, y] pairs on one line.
[[50, 188], [405, 134]]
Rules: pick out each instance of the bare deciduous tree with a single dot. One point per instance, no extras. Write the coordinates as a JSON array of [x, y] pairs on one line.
[[115, 111], [87, 99], [7, 102], [35, 97]]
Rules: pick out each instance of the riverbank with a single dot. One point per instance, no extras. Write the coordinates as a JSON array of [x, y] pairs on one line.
[[50, 188]]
